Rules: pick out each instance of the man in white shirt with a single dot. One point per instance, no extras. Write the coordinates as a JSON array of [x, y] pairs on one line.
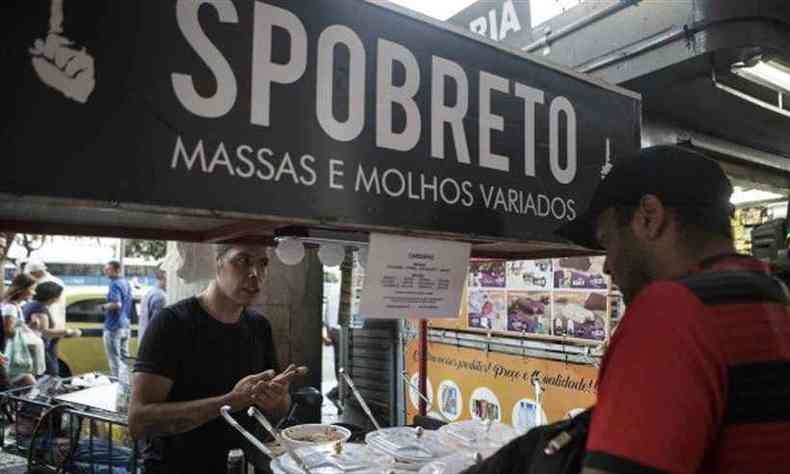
[[38, 270]]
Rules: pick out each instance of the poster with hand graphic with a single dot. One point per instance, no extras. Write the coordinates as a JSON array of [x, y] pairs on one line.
[[60, 63]]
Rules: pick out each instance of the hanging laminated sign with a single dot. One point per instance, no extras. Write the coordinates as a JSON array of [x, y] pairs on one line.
[[414, 278]]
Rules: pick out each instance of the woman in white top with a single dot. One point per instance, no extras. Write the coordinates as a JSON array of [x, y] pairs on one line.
[[11, 307], [38, 318]]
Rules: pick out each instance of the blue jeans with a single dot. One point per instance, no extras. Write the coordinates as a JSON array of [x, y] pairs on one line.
[[116, 345]]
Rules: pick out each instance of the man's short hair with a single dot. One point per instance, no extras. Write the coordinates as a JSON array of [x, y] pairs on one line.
[[697, 224], [115, 264], [46, 291], [221, 249]]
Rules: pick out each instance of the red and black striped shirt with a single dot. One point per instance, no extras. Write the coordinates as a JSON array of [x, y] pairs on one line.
[[697, 377]]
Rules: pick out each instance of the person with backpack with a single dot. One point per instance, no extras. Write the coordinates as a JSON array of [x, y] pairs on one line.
[[697, 376]]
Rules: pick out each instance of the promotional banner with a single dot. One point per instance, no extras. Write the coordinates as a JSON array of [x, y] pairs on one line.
[[465, 383], [322, 111], [551, 298]]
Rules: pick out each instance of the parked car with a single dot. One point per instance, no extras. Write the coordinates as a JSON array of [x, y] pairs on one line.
[[83, 311]]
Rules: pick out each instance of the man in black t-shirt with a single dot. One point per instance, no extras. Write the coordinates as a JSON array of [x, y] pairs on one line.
[[198, 355]]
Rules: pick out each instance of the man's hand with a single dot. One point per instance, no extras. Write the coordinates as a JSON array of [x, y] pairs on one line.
[[271, 396], [241, 395]]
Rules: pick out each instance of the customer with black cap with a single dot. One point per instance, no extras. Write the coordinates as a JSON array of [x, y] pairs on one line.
[[697, 376]]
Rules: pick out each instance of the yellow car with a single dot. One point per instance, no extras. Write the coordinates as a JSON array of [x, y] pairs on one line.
[[83, 311]]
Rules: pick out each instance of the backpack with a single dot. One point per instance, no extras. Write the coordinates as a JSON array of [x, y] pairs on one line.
[[559, 448]]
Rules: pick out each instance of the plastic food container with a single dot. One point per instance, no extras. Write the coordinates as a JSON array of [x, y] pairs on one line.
[[473, 435], [356, 458], [315, 434], [409, 447], [453, 464]]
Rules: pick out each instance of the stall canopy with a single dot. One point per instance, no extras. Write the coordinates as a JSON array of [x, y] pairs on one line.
[[214, 120]]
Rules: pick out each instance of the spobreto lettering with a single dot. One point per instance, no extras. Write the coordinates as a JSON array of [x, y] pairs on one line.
[[446, 114]]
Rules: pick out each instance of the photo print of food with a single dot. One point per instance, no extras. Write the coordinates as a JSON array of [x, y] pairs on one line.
[[450, 402], [582, 273], [487, 274], [529, 275], [529, 312], [579, 314], [484, 405], [488, 309], [527, 415]]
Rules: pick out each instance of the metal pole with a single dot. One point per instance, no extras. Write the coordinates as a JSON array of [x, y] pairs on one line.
[[423, 384], [122, 251]]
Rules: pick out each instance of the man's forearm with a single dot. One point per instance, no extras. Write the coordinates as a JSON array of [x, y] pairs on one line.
[[172, 418]]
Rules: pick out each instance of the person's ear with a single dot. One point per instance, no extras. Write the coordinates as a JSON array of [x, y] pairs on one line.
[[650, 218]]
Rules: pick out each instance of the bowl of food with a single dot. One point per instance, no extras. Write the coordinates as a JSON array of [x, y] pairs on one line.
[[315, 434]]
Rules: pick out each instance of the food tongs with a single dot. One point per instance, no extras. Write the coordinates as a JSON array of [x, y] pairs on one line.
[[390, 445], [225, 411]]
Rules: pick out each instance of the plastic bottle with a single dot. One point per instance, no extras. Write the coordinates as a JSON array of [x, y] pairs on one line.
[[236, 461]]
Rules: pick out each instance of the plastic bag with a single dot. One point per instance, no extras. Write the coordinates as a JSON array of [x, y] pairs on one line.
[[19, 359]]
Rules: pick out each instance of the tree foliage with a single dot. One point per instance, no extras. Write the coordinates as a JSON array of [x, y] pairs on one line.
[[30, 242], [150, 249], [6, 240]]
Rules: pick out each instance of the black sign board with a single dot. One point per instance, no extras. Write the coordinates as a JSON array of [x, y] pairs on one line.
[[333, 111]]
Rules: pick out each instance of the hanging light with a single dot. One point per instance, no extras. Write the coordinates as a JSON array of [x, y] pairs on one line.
[[769, 73], [331, 255], [290, 251]]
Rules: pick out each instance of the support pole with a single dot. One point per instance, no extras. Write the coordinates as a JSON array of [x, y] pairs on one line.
[[423, 384]]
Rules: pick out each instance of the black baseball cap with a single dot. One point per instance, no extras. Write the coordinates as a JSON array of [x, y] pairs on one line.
[[678, 176]]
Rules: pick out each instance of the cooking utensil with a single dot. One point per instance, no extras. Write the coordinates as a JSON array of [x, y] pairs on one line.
[[361, 400], [423, 397], [225, 412], [255, 413]]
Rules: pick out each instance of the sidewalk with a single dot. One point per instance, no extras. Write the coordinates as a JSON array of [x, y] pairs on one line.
[[10, 464]]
